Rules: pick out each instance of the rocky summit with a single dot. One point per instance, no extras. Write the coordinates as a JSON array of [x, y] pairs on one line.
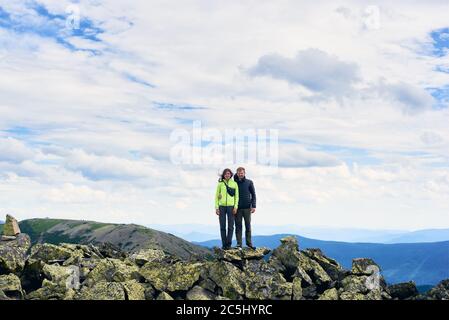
[[105, 272]]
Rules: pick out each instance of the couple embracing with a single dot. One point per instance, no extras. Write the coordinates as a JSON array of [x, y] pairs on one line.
[[235, 201]]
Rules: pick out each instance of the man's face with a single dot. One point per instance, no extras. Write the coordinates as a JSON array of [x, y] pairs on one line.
[[241, 174]]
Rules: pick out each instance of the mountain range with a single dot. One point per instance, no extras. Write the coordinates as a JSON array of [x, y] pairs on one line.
[[199, 232], [424, 263]]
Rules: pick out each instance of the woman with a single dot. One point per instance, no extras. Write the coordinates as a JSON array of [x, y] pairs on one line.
[[226, 203]]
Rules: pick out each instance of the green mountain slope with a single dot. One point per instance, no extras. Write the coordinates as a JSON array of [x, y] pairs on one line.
[[128, 237]]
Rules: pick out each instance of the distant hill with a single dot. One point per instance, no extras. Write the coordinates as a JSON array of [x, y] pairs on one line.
[[201, 232], [427, 235], [424, 263], [129, 237]]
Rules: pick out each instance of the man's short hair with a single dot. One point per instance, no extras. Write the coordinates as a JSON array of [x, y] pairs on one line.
[[241, 169]]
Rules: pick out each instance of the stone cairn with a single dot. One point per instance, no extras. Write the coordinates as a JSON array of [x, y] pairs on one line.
[[10, 229]]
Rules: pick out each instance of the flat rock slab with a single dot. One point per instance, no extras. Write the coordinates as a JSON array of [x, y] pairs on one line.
[[235, 254]]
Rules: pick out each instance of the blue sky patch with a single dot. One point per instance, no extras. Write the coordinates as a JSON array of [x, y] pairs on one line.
[[440, 39], [45, 24], [441, 96]]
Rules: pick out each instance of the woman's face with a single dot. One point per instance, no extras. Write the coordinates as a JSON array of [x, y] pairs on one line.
[[227, 175]]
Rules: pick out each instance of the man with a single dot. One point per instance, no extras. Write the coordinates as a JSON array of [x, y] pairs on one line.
[[246, 207]]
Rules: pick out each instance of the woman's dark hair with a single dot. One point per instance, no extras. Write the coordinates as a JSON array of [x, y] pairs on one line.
[[223, 174]]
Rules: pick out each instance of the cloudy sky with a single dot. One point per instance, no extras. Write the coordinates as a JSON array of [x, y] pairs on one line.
[[91, 91]]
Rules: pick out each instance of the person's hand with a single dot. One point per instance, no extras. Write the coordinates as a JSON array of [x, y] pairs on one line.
[[253, 210], [234, 211], [217, 212]]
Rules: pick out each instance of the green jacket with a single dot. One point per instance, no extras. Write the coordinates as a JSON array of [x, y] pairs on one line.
[[226, 200]]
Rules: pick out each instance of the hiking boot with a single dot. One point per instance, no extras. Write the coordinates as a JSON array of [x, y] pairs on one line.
[[252, 247], [239, 247]]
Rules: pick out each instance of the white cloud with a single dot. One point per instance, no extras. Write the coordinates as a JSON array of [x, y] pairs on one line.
[[312, 68], [95, 134], [13, 150]]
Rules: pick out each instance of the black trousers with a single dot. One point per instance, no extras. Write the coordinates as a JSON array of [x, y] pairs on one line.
[[243, 214], [226, 215]]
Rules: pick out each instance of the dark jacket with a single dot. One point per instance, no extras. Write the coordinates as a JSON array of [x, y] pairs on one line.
[[247, 193]]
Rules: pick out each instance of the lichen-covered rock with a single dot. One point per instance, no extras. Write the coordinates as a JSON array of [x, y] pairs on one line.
[[364, 266], [13, 254], [67, 277], [166, 277], [109, 250], [147, 255], [164, 296], [50, 253], [102, 291], [11, 287], [314, 270], [329, 294], [112, 270], [330, 266], [403, 291], [355, 284], [229, 279], [262, 282], [236, 255], [440, 292], [297, 289], [354, 287], [134, 290], [51, 291], [199, 293], [352, 296], [286, 257]]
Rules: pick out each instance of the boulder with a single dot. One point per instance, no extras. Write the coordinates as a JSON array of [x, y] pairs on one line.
[[297, 289], [102, 291], [134, 290], [180, 276], [147, 255], [236, 255], [329, 294], [330, 266], [13, 254], [440, 292], [199, 293], [50, 253], [364, 266], [51, 291], [164, 296], [360, 288], [109, 250], [67, 277], [11, 287], [229, 279], [112, 270], [263, 282], [315, 272], [286, 257], [402, 291], [11, 227]]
